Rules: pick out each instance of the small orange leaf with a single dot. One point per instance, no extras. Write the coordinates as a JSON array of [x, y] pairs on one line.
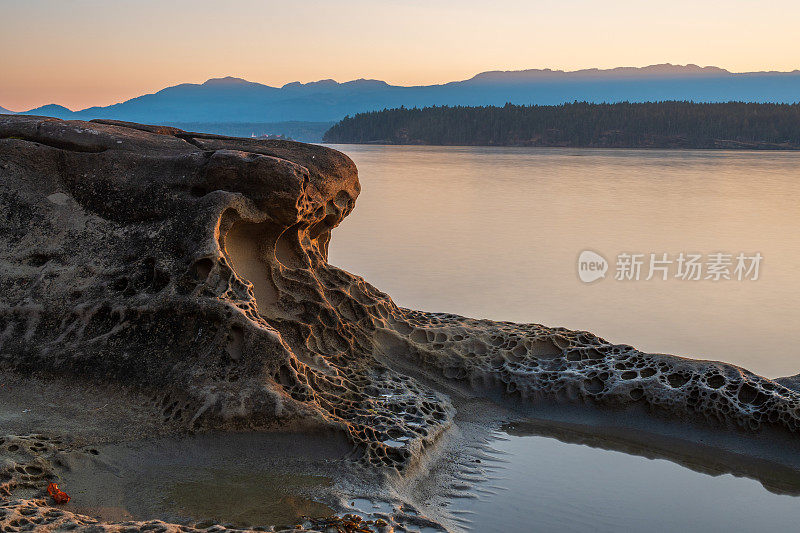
[[59, 496]]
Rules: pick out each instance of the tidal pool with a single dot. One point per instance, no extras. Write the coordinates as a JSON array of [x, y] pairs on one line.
[[536, 483], [239, 479]]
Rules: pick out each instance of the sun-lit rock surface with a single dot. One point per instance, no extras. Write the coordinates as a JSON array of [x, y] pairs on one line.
[[194, 268]]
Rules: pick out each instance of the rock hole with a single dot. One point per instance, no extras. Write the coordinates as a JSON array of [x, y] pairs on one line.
[[235, 342], [677, 380], [647, 372], [248, 247], [38, 259], [593, 385], [286, 248], [202, 268], [751, 395]]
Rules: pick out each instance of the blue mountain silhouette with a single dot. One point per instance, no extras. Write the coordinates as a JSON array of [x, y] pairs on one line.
[[234, 100]]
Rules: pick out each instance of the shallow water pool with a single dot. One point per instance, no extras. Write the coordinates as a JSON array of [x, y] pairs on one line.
[[536, 483]]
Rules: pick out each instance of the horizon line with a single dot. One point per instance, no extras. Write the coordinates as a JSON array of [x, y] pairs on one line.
[[696, 69]]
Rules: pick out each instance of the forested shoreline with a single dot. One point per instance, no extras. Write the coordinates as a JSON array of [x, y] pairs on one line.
[[669, 124]]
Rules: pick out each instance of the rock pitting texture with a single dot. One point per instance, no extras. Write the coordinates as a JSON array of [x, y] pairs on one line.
[[195, 266], [25, 463]]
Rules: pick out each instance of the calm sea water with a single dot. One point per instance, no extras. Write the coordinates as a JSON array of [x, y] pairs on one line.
[[547, 485], [496, 233]]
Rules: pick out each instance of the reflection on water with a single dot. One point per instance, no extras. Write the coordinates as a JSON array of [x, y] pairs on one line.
[[690, 453], [542, 484], [496, 232], [245, 499], [245, 479], [206, 496]]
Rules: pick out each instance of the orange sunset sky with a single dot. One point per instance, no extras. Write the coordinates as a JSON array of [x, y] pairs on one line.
[[83, 53]]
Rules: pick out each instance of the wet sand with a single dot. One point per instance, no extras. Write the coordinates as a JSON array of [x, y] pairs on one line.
[[119, 463], [116, 470]]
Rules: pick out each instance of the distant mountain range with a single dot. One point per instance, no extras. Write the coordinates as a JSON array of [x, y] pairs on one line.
[[235, 102]]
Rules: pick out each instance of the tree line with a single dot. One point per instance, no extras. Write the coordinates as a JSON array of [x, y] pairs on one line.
[[668, 124]]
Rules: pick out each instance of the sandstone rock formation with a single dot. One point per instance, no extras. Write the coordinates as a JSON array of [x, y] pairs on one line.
[[195, 267]]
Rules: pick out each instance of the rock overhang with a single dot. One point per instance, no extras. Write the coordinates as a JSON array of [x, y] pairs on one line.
[[196, 265]]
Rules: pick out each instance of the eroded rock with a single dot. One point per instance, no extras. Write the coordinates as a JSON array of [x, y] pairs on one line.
[[195, 266]]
